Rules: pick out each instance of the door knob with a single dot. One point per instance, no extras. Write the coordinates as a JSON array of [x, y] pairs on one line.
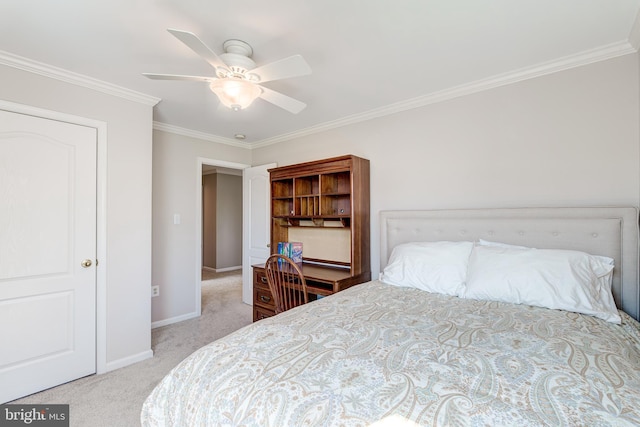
[[86, 263]]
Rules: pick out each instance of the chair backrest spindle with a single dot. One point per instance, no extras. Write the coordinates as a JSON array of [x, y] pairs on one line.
[[286, 282]]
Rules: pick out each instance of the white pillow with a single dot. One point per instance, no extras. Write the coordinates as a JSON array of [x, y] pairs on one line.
[[439, 267], [552, 278], [482, 242], [604, 259]]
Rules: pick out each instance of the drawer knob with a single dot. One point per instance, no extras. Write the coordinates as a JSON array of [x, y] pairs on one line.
[[265, 298], [263, 279]]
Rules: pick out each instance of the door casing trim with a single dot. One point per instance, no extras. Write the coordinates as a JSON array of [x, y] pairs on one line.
[[101, 214]]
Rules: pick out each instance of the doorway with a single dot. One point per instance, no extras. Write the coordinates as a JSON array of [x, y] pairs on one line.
[[207, 230], [221, 220]]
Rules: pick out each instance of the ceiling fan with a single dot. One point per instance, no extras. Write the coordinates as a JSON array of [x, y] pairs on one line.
[[237, 80]]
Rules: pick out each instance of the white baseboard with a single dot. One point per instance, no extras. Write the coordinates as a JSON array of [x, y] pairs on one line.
[[173, 320], [126, 361], [221, 270]]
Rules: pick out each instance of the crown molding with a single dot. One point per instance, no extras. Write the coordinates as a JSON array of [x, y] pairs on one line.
[[600, 54], [164, 127], [67, 76], [572, 61]]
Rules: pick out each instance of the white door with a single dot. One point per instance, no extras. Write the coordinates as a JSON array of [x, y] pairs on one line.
[[47, 241], [256, 223]]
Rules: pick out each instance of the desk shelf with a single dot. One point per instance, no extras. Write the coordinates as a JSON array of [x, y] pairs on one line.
[[325, 202]]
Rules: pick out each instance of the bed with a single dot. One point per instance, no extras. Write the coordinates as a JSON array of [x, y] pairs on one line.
[[453, 350]]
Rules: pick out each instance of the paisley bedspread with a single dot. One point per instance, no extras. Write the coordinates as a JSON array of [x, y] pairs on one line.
[[381, 355]]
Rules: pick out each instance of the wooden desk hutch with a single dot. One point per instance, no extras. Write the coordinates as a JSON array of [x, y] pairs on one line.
[[325, 205]]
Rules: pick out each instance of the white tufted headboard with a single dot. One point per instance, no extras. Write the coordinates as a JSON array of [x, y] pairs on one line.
[[607, 231]]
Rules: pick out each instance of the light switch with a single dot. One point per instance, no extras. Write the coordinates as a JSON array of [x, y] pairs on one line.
[[176, 219]]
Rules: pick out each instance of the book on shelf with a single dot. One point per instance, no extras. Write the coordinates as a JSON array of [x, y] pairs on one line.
[[291, 249], [295, 252]]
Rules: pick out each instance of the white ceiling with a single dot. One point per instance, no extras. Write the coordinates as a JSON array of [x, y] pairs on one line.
[[369, 58]]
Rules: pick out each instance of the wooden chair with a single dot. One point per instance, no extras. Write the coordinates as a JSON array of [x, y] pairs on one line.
[[286, 282]]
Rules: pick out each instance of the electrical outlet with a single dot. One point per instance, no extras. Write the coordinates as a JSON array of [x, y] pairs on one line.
[[155, 291]]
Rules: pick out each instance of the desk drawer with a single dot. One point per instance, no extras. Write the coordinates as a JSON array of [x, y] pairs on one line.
[[261, 313], [260, 278], [262, 296], [263, 305]]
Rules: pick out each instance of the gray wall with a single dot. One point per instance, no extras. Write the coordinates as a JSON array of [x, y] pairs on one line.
[[176, 190], [209, 199], [221, 221], [229, 222]]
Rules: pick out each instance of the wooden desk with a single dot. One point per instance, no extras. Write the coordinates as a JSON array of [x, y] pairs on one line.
[[321, 281]]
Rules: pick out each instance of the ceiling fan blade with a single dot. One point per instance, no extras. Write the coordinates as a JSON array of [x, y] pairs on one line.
[[197, 45], [178, 77], [283, 101], [288, 67]]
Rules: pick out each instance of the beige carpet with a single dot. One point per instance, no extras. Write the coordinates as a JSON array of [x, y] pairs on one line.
[[114, 399]]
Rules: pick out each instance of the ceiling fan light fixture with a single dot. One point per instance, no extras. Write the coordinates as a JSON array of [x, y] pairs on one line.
[[236, 80], [235, 93]]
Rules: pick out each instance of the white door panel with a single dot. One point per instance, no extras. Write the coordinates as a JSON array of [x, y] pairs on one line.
[[38, 339], [47, 229], [256, 190]]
